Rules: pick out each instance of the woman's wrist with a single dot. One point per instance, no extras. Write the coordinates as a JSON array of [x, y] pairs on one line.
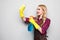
[[24, 19]]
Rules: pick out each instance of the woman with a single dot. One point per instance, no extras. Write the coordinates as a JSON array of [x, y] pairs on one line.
[[41, 20]]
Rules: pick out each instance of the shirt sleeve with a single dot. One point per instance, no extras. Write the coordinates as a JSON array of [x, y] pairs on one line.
[[45, 26], [27, 20]]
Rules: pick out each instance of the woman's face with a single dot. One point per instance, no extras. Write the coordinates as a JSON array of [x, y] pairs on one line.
[[39, 11]]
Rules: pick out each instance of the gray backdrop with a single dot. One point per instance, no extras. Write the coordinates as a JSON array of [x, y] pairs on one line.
[[13, 28]]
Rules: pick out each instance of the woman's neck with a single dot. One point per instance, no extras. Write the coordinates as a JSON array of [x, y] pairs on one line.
[[39, 17]]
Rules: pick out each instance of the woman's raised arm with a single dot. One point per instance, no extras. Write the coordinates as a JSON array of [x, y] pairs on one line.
[[21, 12]]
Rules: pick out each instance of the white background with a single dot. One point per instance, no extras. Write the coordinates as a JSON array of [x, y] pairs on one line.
[[13, 28]]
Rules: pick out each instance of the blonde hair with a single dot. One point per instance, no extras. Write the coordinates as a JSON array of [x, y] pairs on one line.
[[44, 8]]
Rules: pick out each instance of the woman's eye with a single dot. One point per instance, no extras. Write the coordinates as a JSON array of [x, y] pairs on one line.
[[38, 9]]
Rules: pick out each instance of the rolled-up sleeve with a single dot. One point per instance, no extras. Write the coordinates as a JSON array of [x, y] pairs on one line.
[[27, 20], [45, 26]]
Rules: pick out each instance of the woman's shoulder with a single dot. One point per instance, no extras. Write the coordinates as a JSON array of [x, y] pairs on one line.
[[48, 19]]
